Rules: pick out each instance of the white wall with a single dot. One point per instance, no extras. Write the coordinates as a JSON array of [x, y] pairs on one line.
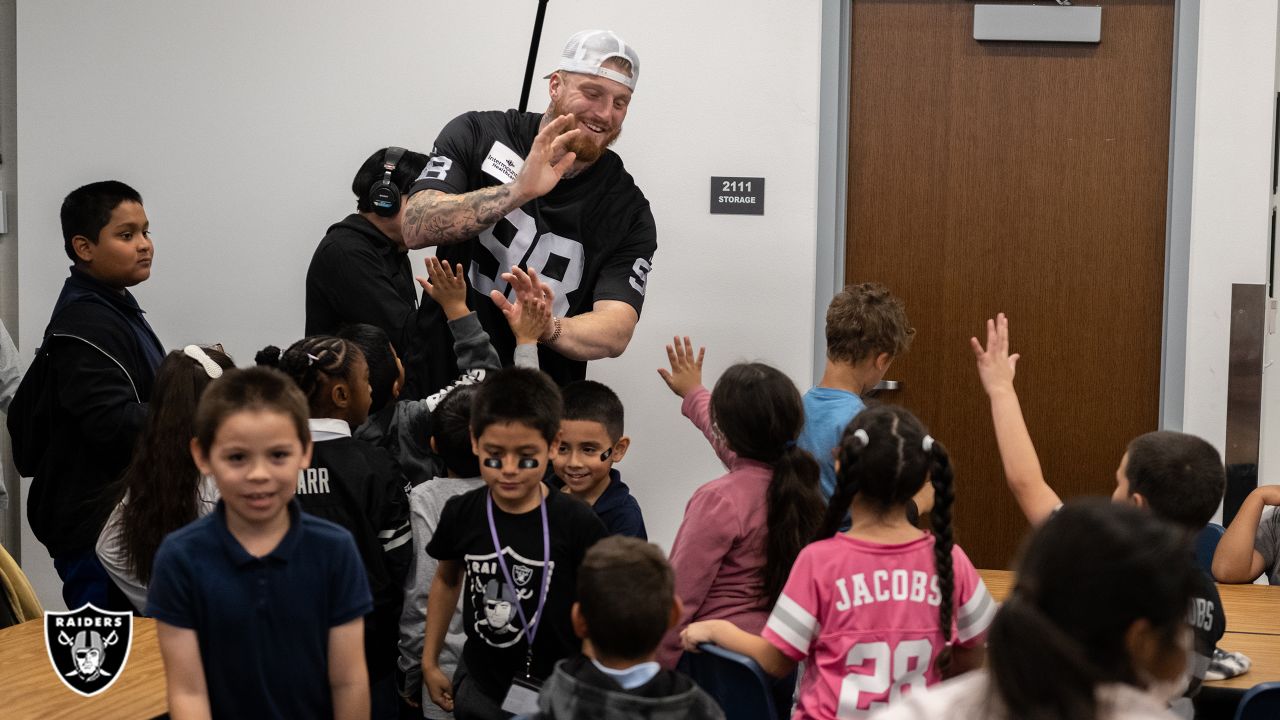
[[241, 123], [1230, 205]]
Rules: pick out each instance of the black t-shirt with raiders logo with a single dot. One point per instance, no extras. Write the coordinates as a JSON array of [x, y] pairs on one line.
[[591, 238], [496, 646]]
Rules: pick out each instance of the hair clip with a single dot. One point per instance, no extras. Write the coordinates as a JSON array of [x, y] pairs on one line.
[[197, 353], [312, 359], [524, 463], [862, 435], [927, 443]]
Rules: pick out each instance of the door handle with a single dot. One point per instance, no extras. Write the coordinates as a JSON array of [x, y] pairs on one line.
[[887, 385]]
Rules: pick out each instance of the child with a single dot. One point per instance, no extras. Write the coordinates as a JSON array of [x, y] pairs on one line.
[[867, 328], [162, 489], [259, 605], [79, 410], [402, 427], [512, 537], [1251, 545], [1094, 627], [883, 608], [451, 442], [742, 531], [591, 441], [1179, 477], [357, 486], [622, 628]]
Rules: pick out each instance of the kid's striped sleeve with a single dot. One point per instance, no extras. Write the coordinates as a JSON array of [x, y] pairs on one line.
[[793, 624], [976, 606]]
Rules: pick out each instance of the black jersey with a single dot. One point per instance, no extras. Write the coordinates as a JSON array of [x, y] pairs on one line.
[[1208, 623], [360, 487], [591, 238]]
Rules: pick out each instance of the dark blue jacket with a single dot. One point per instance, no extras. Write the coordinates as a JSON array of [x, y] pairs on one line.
[[88, 390]]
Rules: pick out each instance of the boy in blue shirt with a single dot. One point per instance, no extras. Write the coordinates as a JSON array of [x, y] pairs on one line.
[[591, 441], [867, 328], [260, 607]]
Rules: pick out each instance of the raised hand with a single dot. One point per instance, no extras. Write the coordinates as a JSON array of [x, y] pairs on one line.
[[686, 369], [447, 286], [549, 158], [530, 320], [996, 367], [529, 290]]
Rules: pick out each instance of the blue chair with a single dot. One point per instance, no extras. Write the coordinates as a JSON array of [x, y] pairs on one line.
[[737, 683], [1206, 542], [1262, 702]]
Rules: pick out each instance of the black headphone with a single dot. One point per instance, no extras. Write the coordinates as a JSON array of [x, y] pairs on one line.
[[384, 196]]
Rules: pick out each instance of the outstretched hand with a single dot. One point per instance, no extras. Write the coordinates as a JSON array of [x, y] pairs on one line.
[[549, 158], [529, 319], [996, 367], [686, 369], [446, 285], [533, 298]]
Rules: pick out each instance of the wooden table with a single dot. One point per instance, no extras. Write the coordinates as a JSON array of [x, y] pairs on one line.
[[1253, 626], [30, 688]]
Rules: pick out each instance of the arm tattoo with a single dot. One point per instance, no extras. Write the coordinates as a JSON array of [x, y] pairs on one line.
[[439, 218]]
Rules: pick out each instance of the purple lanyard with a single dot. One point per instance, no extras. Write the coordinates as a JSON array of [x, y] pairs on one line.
[[531, 629]]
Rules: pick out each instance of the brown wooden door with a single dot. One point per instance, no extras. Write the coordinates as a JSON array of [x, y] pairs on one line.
[[1028, 178]]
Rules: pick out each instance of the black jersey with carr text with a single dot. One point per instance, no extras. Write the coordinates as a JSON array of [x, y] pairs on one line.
[[360, 487], [591, 238]]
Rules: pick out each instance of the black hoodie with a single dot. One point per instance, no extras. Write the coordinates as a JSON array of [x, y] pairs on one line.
[[359, 275], [95, 370]]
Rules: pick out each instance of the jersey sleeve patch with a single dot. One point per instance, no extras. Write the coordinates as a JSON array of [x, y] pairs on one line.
[[792, 624], [975, 616]]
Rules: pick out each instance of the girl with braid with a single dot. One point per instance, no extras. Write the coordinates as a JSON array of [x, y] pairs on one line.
[[883, 609], [356, 485]]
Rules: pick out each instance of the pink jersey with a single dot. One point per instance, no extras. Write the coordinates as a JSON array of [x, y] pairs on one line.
[[864, 618]]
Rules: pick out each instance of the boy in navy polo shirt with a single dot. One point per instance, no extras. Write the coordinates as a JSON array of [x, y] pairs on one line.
[[511, 549], [259, 607], [591, 441]]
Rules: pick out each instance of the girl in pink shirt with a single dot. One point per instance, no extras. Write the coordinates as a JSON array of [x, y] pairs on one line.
[[883, 609], [742, 531]]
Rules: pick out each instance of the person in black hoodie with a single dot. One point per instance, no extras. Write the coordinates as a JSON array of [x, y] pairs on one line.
[[356, 485], [78, 411], [360, 271], [618, 676]]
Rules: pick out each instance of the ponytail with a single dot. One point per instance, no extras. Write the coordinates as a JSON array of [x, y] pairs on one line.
[[760, 413], [850, 458], [942, 477], [794, 505], [1038, 671]]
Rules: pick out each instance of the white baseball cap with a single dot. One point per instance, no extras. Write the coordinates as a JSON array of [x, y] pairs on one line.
[[587, 51]]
